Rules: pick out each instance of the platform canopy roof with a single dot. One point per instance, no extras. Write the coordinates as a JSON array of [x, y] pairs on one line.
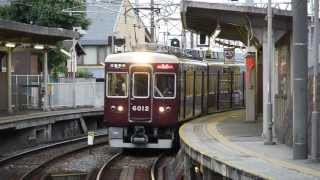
[[11, 31], [235, 20]]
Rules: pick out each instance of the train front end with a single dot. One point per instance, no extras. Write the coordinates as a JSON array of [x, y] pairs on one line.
[[141, 104]]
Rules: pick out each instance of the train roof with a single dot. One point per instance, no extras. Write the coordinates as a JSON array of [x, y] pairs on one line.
[[153, 57], [141, 58], [225, 65]]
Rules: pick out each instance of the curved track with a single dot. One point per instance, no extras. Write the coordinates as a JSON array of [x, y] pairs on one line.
[[125, 166], [154, 168], [35, 173], [23, 165], [45, 147]]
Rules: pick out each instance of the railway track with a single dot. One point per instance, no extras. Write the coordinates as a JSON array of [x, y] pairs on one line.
[[36, 173], [45, 147], [26, 164], [124, 166]]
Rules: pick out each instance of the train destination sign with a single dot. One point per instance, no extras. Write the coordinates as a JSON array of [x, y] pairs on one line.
[[165, 66], [229, 55]]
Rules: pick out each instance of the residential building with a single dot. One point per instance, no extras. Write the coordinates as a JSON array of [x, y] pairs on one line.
[[118, 19]]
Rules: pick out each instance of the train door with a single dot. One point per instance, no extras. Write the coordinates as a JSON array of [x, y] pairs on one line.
[[140, 96]]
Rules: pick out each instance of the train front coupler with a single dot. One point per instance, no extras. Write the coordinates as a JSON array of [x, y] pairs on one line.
[[139, 136]]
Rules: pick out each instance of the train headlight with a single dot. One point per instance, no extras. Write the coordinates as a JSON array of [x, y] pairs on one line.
[[113, 108], [168, 108], [120, 108], [161, 109]]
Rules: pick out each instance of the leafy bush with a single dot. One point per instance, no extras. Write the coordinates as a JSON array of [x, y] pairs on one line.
[[84, 73]]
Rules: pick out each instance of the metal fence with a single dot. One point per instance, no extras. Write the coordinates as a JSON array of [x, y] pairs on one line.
[[76, 94], [27, 93]]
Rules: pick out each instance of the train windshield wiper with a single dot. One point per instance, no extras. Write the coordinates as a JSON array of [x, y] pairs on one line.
[[158, 91]]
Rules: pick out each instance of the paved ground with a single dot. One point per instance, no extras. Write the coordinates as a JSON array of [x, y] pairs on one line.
[[227, 144], [30, 114], [31, 118]]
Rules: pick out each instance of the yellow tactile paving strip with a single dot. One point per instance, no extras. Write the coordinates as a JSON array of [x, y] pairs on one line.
[[212, 129], [214, 120]]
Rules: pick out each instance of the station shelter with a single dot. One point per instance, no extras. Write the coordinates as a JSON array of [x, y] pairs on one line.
[[24, 52], [248, 24]]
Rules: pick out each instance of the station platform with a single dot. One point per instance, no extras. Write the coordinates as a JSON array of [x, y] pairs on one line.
[[226, 144], [26, 119]]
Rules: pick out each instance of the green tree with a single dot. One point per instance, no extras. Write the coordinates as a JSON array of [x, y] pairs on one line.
[[47, 13]]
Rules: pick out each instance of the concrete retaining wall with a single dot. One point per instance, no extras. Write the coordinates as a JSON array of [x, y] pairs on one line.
[[13, 139]]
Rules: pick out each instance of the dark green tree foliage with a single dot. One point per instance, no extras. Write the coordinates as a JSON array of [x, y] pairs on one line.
[[48, 13]]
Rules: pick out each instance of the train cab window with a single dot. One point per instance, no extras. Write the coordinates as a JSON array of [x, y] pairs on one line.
[[117, 85], [141, 85], [164, 85]]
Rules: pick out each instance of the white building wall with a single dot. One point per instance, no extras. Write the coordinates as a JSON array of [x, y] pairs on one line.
[[130, 27], [91, 55]]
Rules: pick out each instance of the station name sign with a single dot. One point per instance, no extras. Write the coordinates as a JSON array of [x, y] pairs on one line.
[[229, 56]]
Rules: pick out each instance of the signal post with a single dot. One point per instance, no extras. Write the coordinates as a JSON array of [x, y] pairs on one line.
[[251, 84]]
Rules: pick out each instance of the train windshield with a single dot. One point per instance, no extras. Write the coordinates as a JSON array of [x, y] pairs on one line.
[[117, 85], [164, 85], [141, 85]]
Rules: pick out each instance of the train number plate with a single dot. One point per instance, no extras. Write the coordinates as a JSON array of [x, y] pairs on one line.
[[140, 108]]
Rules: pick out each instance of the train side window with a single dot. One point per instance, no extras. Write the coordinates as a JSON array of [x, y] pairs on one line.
[[189, 83], [198, 83], [117, 85], [141, 85], [164, 85]]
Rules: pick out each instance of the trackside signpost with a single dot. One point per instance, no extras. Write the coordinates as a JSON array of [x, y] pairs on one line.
[[91, 135]]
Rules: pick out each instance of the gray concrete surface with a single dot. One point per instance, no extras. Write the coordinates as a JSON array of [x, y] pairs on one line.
[[32, 128], [226, 144], [35, 118]]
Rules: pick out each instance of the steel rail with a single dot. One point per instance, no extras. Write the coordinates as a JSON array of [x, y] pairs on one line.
[[42, 148], [32, 172], [154, 167], [107, 164]]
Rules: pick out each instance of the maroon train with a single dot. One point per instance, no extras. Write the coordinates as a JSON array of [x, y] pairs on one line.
[[148, 95]]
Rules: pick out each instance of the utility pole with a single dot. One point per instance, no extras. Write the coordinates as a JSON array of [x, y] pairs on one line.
[[45, 80], [183, 39], [136, 5], [269, 140], [152, 21], [9, 79], [315, 112], [191, 40], [112, 44], [300, 78], [73, 71]]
